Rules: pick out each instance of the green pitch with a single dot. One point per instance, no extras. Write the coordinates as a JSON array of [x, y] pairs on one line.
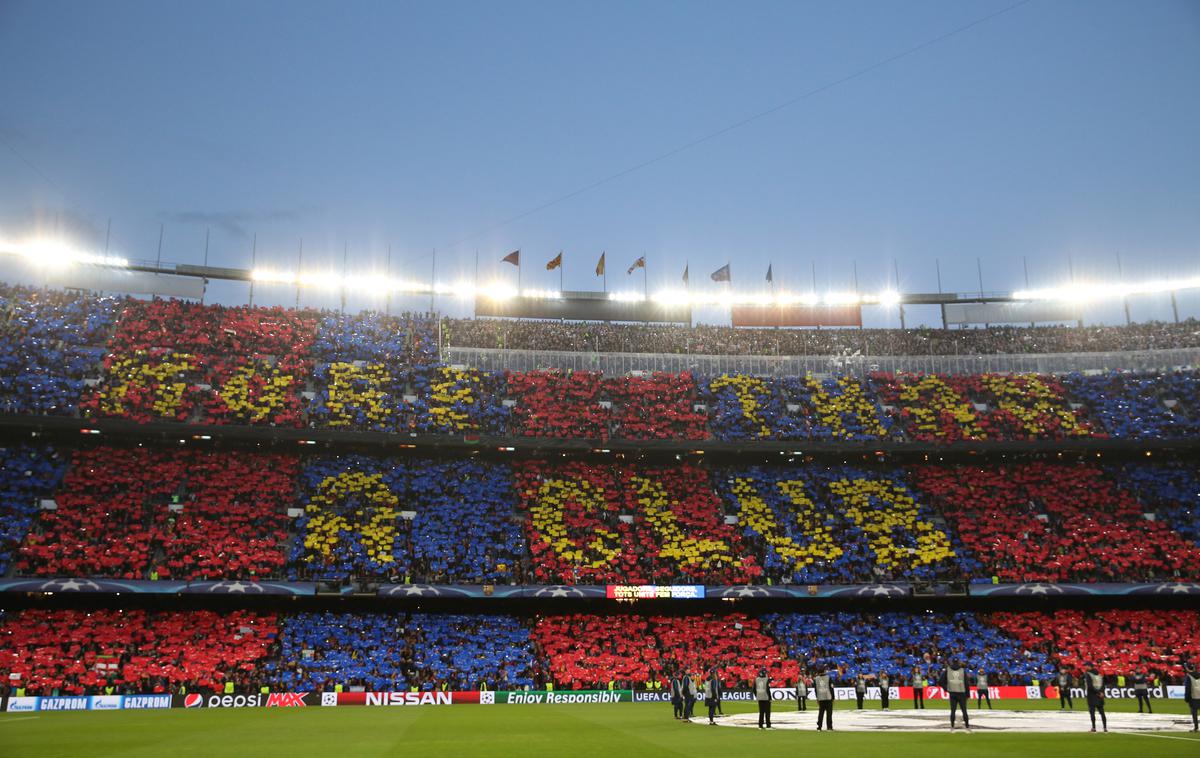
[[622, 730]]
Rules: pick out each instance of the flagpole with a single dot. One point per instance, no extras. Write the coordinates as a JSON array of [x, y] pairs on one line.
[[433, 283], [299, 265], [253, 260], [687, 290], [854, 268], [645, 278], [560, 273], [204, 283], [604, 270]]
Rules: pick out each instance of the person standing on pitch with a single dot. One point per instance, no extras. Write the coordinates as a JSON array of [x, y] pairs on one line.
[[823, 689], [1191, 693], [885, 684], [860, 690], [1141, 690], [1094, 682], [954, 682], [712, 695], [919, 682], [802, 692], [689, 695], [762, 693], [1064, 691], [677, 696], [721, 693], [718, 688], [981, 690]]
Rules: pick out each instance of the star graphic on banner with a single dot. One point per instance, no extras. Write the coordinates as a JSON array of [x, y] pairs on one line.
[[414, 590], [558, 590], [880, 590], [235, 588], [1178, 588], [1039, 589], [69, 585], [750, 591]]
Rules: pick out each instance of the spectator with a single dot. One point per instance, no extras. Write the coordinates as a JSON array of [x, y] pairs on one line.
[[28, 473], [65, 652]]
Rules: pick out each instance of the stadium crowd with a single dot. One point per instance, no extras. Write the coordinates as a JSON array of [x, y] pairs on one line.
[[1118, 642], [44, 652], [28, 474], [50, 342], [705, 339], [593, 524], [174, 360], [838, 524], [587, 651], [69, 652], [1042, 522], [138, 513], [437, 520], [907, 647], [169, 360], [395, 652]]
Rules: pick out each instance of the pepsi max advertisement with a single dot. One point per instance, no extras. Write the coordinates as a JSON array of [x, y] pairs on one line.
[[45, 703]]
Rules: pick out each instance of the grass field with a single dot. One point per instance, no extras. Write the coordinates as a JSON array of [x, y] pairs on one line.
[[624, 730]]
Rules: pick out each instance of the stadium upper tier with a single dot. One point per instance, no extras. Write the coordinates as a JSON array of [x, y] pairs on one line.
[[70, 354], [183, 514], [64, 652]]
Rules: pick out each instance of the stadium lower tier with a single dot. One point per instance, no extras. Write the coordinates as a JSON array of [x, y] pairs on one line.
[[110, 652], [184, 514]]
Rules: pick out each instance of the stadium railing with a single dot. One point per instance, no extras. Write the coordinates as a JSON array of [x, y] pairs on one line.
[[493, 359]]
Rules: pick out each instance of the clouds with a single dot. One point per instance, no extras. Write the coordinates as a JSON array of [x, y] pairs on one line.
[[68, 223], [234, 223]]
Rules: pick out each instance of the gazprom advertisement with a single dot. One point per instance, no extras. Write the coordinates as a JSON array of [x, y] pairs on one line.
[[87, 703]]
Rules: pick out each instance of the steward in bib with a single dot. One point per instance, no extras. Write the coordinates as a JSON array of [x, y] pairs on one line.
[[1094, 682], [954, 681], [823, 689], [1191, 693], [762, 693]]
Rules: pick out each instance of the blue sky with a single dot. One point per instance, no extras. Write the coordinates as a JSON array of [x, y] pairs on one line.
[[1055, 129]]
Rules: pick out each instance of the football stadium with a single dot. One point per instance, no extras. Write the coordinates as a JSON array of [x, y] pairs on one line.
[[268, 499]]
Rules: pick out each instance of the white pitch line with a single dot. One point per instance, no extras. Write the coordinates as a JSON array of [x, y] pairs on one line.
[[18, 718], [1160, 736]]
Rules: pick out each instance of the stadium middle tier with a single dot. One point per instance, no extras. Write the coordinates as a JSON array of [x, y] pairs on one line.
[[64, 652], [183, 514], [165, 360]]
